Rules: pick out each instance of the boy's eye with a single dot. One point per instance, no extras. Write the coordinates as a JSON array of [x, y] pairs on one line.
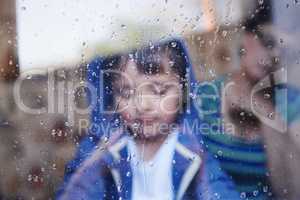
[[162, 91], [157, 91], [126, 93]]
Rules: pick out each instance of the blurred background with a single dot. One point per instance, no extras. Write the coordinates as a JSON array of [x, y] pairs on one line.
[[55, 40]]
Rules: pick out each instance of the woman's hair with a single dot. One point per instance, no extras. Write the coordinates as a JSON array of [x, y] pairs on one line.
[[262, 14], [150, 60]]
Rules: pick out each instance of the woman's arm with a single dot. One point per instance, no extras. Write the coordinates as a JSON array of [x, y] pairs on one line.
[[283, 152]]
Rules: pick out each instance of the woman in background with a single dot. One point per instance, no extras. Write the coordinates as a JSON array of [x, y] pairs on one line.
[[249, 136]]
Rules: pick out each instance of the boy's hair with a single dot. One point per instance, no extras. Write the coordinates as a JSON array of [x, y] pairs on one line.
[[149, 61]]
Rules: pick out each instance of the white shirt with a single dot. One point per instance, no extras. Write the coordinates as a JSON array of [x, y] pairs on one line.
[[152, 180]]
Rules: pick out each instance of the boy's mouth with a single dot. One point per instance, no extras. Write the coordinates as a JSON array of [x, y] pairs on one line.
[[148, 121], [140, 123]]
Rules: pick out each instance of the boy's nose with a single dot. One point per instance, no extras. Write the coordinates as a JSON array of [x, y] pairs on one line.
[[145, 103]]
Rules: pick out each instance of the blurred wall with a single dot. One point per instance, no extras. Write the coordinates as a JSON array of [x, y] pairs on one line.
[[8, 59], [8, 45], [286, 17]]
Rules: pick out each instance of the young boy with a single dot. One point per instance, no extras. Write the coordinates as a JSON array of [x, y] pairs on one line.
[[153, 156]]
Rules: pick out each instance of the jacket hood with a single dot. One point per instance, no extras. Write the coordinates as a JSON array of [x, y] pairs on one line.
[[103, 97]]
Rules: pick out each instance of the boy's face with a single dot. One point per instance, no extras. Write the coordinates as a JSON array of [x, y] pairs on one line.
[[148, 103]]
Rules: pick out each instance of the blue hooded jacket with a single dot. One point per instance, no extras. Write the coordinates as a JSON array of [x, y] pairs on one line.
[[82, 177]]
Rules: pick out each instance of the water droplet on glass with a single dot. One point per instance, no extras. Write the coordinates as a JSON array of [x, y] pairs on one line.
[[271, 115], [255, 193], [281, 40], [243, 195], [220, 153], [105, 139], [267, 96], [171, 63], [29, 177], [173, 44], [265, 189], [242, 51]]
